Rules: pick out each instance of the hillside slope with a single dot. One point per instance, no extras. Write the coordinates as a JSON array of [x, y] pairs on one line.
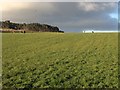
[[35, 27]]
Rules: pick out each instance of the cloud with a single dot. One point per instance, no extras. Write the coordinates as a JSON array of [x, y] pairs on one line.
[[31, 13], [8, 6], [89, 7], [42, 7], [95, 6], [5, 6], [69, 16], [59, 0]]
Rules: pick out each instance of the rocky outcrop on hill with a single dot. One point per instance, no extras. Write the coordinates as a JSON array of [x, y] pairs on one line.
[[34, 27]]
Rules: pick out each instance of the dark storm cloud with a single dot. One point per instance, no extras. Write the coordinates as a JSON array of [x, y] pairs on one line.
[[68, 16]]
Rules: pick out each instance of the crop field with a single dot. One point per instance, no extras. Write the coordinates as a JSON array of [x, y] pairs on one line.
[[54, 60]]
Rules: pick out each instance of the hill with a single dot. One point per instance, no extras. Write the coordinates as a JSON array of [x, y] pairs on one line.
[[34, 27]]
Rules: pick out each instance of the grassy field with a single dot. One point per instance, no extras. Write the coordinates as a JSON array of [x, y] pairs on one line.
[[70, 60]]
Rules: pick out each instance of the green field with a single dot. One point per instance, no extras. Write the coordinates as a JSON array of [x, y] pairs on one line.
[[70, 60]]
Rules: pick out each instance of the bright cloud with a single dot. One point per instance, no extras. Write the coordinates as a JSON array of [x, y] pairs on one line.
[[88, 7], [6, 6], [93, 6], [114, 15], [59, 0]]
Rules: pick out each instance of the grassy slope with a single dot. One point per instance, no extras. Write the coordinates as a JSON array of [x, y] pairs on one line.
[[60, 60]]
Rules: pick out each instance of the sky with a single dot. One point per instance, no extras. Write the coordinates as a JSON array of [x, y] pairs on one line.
[[68, 16]]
